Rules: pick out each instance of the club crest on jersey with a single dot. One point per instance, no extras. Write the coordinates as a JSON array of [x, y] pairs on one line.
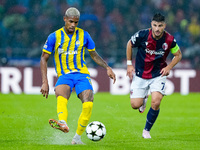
[[164, 46], [78, 43]]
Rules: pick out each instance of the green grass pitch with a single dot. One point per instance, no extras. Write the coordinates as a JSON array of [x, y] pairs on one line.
[[24, 123]]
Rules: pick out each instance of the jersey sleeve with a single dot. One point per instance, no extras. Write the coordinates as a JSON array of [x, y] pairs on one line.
[[174, 47], [90, 45], [50, 43], [135, 39], [138, 36]]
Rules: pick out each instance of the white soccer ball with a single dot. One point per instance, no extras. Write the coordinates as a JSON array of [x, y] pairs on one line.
[[95, 131]]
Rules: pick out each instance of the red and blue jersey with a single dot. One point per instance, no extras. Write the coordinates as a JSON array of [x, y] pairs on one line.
[[151, 55]]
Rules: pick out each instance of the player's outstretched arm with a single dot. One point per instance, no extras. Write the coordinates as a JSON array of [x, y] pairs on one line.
[[177, 57], [95, 56], [43, 66]]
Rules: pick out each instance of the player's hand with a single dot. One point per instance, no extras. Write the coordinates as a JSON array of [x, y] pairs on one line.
[[111, 74], [130, 71], [165, 72], [45, 89]]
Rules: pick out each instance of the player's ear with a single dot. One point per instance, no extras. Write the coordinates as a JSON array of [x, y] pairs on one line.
[[151, 23], [164, 25], [65, 18]]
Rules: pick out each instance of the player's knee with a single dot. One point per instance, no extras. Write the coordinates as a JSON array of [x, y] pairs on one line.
[[57, 94], [86, 96], [61, 94], [134, 105], [155, 105], [87, 100], [63, 90]]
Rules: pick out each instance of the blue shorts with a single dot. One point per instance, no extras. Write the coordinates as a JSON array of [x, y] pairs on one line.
[[78, 80]]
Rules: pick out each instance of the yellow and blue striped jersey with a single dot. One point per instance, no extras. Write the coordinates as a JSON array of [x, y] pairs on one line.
[[69, 50]]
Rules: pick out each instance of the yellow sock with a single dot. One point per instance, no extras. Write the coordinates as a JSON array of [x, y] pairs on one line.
[[62, 108], [84, 117]]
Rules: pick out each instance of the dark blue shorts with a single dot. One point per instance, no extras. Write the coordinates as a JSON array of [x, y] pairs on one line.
[[78, 80]]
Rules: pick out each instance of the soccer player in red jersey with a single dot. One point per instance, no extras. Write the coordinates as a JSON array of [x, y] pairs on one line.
[[151, 69]]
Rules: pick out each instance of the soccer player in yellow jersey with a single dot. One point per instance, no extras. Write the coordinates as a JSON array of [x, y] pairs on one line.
[[68, 46]]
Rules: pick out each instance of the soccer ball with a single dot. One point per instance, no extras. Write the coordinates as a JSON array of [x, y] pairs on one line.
[[95, 131]]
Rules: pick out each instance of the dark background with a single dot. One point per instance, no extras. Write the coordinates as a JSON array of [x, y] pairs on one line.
[[26, 24]]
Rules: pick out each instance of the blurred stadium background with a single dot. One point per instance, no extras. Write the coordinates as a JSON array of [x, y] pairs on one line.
[[24, 27], [26, 24]]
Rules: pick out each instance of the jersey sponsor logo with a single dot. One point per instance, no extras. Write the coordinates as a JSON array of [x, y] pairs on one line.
[[60, 50], [70, 52], [153, 52], [164, 46]]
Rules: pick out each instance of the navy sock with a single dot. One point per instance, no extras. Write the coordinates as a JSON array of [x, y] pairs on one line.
[[151, 118]]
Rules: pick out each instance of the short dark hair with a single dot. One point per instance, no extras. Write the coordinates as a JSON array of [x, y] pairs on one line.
[[158, 17]]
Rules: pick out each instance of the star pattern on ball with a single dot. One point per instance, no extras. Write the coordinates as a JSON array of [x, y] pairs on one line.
[[101, 137], [91, 124], [93, 133], [100, 126]]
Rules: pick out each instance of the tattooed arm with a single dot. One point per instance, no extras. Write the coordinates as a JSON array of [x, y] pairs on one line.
[[95, 56]]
